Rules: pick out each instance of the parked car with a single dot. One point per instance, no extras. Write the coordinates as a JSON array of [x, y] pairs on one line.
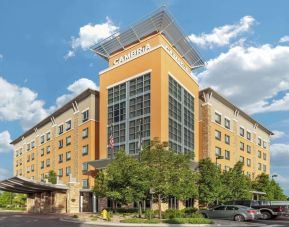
[[232, 212], [269, 209]]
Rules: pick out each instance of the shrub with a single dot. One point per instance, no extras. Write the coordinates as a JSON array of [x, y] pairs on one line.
[[140, 220], [189, 221], [173, 213], [75, 216], [149, 214], [190, 210], [126, 210]]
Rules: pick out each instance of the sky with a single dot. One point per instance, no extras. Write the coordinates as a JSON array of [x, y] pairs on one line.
[[45, 58]]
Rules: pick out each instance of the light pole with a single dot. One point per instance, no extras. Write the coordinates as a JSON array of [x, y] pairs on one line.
[[219, 157], [273, 176]]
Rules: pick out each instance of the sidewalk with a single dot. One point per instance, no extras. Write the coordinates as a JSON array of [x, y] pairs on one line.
[[113, 224]]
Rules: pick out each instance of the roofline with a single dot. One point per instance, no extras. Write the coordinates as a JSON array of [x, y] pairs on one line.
[[232, 106], [56, 113]]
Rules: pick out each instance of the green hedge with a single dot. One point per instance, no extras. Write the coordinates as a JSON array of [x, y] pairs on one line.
[[126, 210], [140, 220], [189, 221]]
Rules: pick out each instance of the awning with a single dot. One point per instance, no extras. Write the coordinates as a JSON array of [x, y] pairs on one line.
[[26, 186]]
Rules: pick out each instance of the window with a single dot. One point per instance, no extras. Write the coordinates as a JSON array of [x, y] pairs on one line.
[[259, 166], [60, 143], [217, 135], [28, 147], [227, 139], [68, 170], [42, 151], [84, 167], [60, 129], [48, 136], [249, 135], [227, 123], [241, 159], [218, 118], [259, 154], [42, 164], [242, 132], [227, 168], [42, 139], [68, 140], [241, 146], [42, 177], [32, 144], [60, 172], [248, 162], [227, 155], [68, 125], [264, 168], [85, 184], [32, 168], [218, 151], [264, 156], [264, 144], [85, 115], [32, 156], [249, 149], [28, 158], [68, 156], [84, 133], [259, 141], [60, 158], [85, 150], [47, 162], [48, 150], [220, 208], [249, 174]]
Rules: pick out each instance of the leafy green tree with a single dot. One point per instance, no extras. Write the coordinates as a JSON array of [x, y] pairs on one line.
[[236, 184], [52, 177], [210, 182], [6, 198], [278, 193], [19, 200], [169, 173]]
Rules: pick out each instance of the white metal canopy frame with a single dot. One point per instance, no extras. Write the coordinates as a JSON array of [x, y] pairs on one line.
[[24, 185], [159, 22]]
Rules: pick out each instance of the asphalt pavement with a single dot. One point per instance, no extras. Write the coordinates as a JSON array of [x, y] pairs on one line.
[[13, 219]]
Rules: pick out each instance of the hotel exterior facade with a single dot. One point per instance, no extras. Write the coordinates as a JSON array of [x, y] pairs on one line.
[[147, 91]]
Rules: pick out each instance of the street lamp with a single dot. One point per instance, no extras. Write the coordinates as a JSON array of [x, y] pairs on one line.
[[273, 176], [219, 157]]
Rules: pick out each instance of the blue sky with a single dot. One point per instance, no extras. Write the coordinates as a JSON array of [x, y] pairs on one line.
[[44, 59]]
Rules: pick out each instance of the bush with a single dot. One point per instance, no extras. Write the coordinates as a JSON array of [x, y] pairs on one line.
[[190, 210], [75, 216], [189, 221], [126, 210], [140, 220], [173, 213], [149, 214]]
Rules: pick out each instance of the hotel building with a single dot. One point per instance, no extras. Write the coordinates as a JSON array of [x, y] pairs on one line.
[[147, 91]]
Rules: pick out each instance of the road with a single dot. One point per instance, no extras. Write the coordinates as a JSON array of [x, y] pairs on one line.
[[12, 219]]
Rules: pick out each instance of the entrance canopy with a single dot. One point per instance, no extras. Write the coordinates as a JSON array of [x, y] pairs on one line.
[[26, 186]]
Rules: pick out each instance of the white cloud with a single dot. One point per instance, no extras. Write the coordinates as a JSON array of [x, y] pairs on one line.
[[20, 103], [5, 140], [4, 174], [278, 135], [254, 78], [1, 57], [279, 154], [284, 39], [222, 36], [91, 34], [75, 89]]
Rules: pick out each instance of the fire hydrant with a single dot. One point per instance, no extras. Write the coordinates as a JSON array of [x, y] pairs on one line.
[[104, 214]]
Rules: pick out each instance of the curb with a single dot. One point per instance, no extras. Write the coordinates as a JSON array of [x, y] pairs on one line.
[[154, 225]]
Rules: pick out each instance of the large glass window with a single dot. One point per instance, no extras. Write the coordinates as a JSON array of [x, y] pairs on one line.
[[181, 118], [129, 114]]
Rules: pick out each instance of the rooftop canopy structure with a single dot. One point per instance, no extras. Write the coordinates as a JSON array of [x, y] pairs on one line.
[[26, 186], [159, 22]]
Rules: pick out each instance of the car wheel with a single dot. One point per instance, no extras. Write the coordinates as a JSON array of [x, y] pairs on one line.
[[266, 215], [239, 218]]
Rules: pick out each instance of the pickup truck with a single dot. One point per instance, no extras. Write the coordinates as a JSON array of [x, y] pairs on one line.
[[268, 209]]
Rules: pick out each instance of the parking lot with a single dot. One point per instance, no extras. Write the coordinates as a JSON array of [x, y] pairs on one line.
[[12, 219]]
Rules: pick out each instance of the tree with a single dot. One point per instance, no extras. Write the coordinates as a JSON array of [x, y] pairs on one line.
[[6, 198], [273, 190], [210, 183], [123, 181], [236, 184], [19, 200], [169, 173], [52, 177]]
